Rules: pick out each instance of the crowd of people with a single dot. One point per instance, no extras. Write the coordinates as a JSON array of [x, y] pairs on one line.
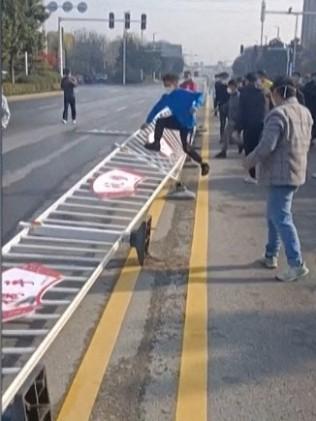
[[243, 104], [277, 120]]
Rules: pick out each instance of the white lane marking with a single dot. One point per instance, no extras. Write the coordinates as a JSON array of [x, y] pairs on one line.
[[48, 107], [121, 109], [12, 177]]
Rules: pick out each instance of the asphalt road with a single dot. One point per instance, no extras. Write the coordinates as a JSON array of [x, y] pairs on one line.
[[42, 158]]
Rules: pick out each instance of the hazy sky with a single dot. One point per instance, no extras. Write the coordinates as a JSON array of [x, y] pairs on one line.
[[211, 29]]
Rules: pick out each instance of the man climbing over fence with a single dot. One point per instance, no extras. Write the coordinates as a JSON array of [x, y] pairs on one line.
[[182, 105]]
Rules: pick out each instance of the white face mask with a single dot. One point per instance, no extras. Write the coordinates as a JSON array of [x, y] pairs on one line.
[[229, 91], [169, 89]]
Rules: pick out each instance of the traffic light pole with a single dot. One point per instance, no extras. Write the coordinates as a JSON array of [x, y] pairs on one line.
[[124, 56], [61, 46]]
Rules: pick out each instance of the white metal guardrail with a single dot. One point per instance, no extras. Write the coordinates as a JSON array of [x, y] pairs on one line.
[[77, 236]]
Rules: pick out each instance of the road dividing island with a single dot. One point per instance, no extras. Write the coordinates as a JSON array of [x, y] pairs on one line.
[[51, 265]]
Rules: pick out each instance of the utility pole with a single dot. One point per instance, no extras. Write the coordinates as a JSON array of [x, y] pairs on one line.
[[262, 18], [26, 61], [60, 48]]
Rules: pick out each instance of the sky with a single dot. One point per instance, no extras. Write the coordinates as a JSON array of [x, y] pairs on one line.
[[209, 30]]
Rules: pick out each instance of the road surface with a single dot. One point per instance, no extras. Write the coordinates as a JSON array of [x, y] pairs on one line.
[[42, 158]]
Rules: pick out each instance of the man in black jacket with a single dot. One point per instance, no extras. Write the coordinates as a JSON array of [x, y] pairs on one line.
[[221, 101], [251, 117], [297, 77], [68, 85]]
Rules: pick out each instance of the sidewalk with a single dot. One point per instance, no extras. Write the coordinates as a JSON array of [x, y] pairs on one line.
[[259, 363], [40, 95]]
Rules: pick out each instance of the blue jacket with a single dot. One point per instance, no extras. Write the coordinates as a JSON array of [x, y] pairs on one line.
[[180, 102]]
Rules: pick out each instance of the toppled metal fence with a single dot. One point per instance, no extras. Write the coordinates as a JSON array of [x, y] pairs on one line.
[[69, 245]]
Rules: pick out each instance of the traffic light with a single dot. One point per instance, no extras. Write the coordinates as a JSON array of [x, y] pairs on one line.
[[111, 20], [143, 22], [127, 20]]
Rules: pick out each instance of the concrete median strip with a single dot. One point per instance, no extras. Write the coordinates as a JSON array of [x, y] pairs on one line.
[[84, 389]]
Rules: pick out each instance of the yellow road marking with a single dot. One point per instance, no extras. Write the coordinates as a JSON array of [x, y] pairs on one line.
[[192, 389], [84, 389]]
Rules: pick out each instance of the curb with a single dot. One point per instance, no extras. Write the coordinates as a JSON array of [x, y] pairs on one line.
[[16, 98]]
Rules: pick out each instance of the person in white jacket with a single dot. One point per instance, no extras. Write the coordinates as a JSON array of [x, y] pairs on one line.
[[5, 112]]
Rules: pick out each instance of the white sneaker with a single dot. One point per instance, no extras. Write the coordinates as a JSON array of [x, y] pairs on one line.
[[269, 262], [65, 121], [74, 122], [293, 274], [250, 180]]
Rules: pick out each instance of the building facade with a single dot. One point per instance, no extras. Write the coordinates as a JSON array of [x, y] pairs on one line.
[[309, 25]]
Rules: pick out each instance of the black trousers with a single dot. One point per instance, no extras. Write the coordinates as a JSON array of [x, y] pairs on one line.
[[72, 102], [222, 118], [251, 140], [172, 124]]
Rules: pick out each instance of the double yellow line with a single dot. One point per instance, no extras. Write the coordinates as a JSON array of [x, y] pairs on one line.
[[192, 390]]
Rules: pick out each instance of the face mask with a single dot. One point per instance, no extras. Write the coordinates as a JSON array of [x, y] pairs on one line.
[[230, 91], [169, 89]]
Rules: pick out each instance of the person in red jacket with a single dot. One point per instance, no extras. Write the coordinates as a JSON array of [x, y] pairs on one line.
[[188, 84]]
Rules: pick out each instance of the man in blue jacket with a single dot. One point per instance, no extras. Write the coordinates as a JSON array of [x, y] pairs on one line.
[[182, 105]]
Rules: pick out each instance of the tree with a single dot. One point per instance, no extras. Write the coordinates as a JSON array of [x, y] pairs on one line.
[[87, 56], [21, 24]]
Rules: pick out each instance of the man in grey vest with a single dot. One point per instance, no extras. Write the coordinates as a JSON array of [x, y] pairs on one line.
[[282, 160]]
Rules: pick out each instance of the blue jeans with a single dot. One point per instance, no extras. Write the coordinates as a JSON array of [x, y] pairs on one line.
[[281, 225]]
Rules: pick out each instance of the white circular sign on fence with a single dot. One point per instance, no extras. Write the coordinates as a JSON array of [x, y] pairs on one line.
[[116, 183], [82, 7], [67, 6], [52, 6]]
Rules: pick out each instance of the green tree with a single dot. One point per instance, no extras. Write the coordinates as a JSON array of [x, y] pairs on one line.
[[87, 56], [21, 24]]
